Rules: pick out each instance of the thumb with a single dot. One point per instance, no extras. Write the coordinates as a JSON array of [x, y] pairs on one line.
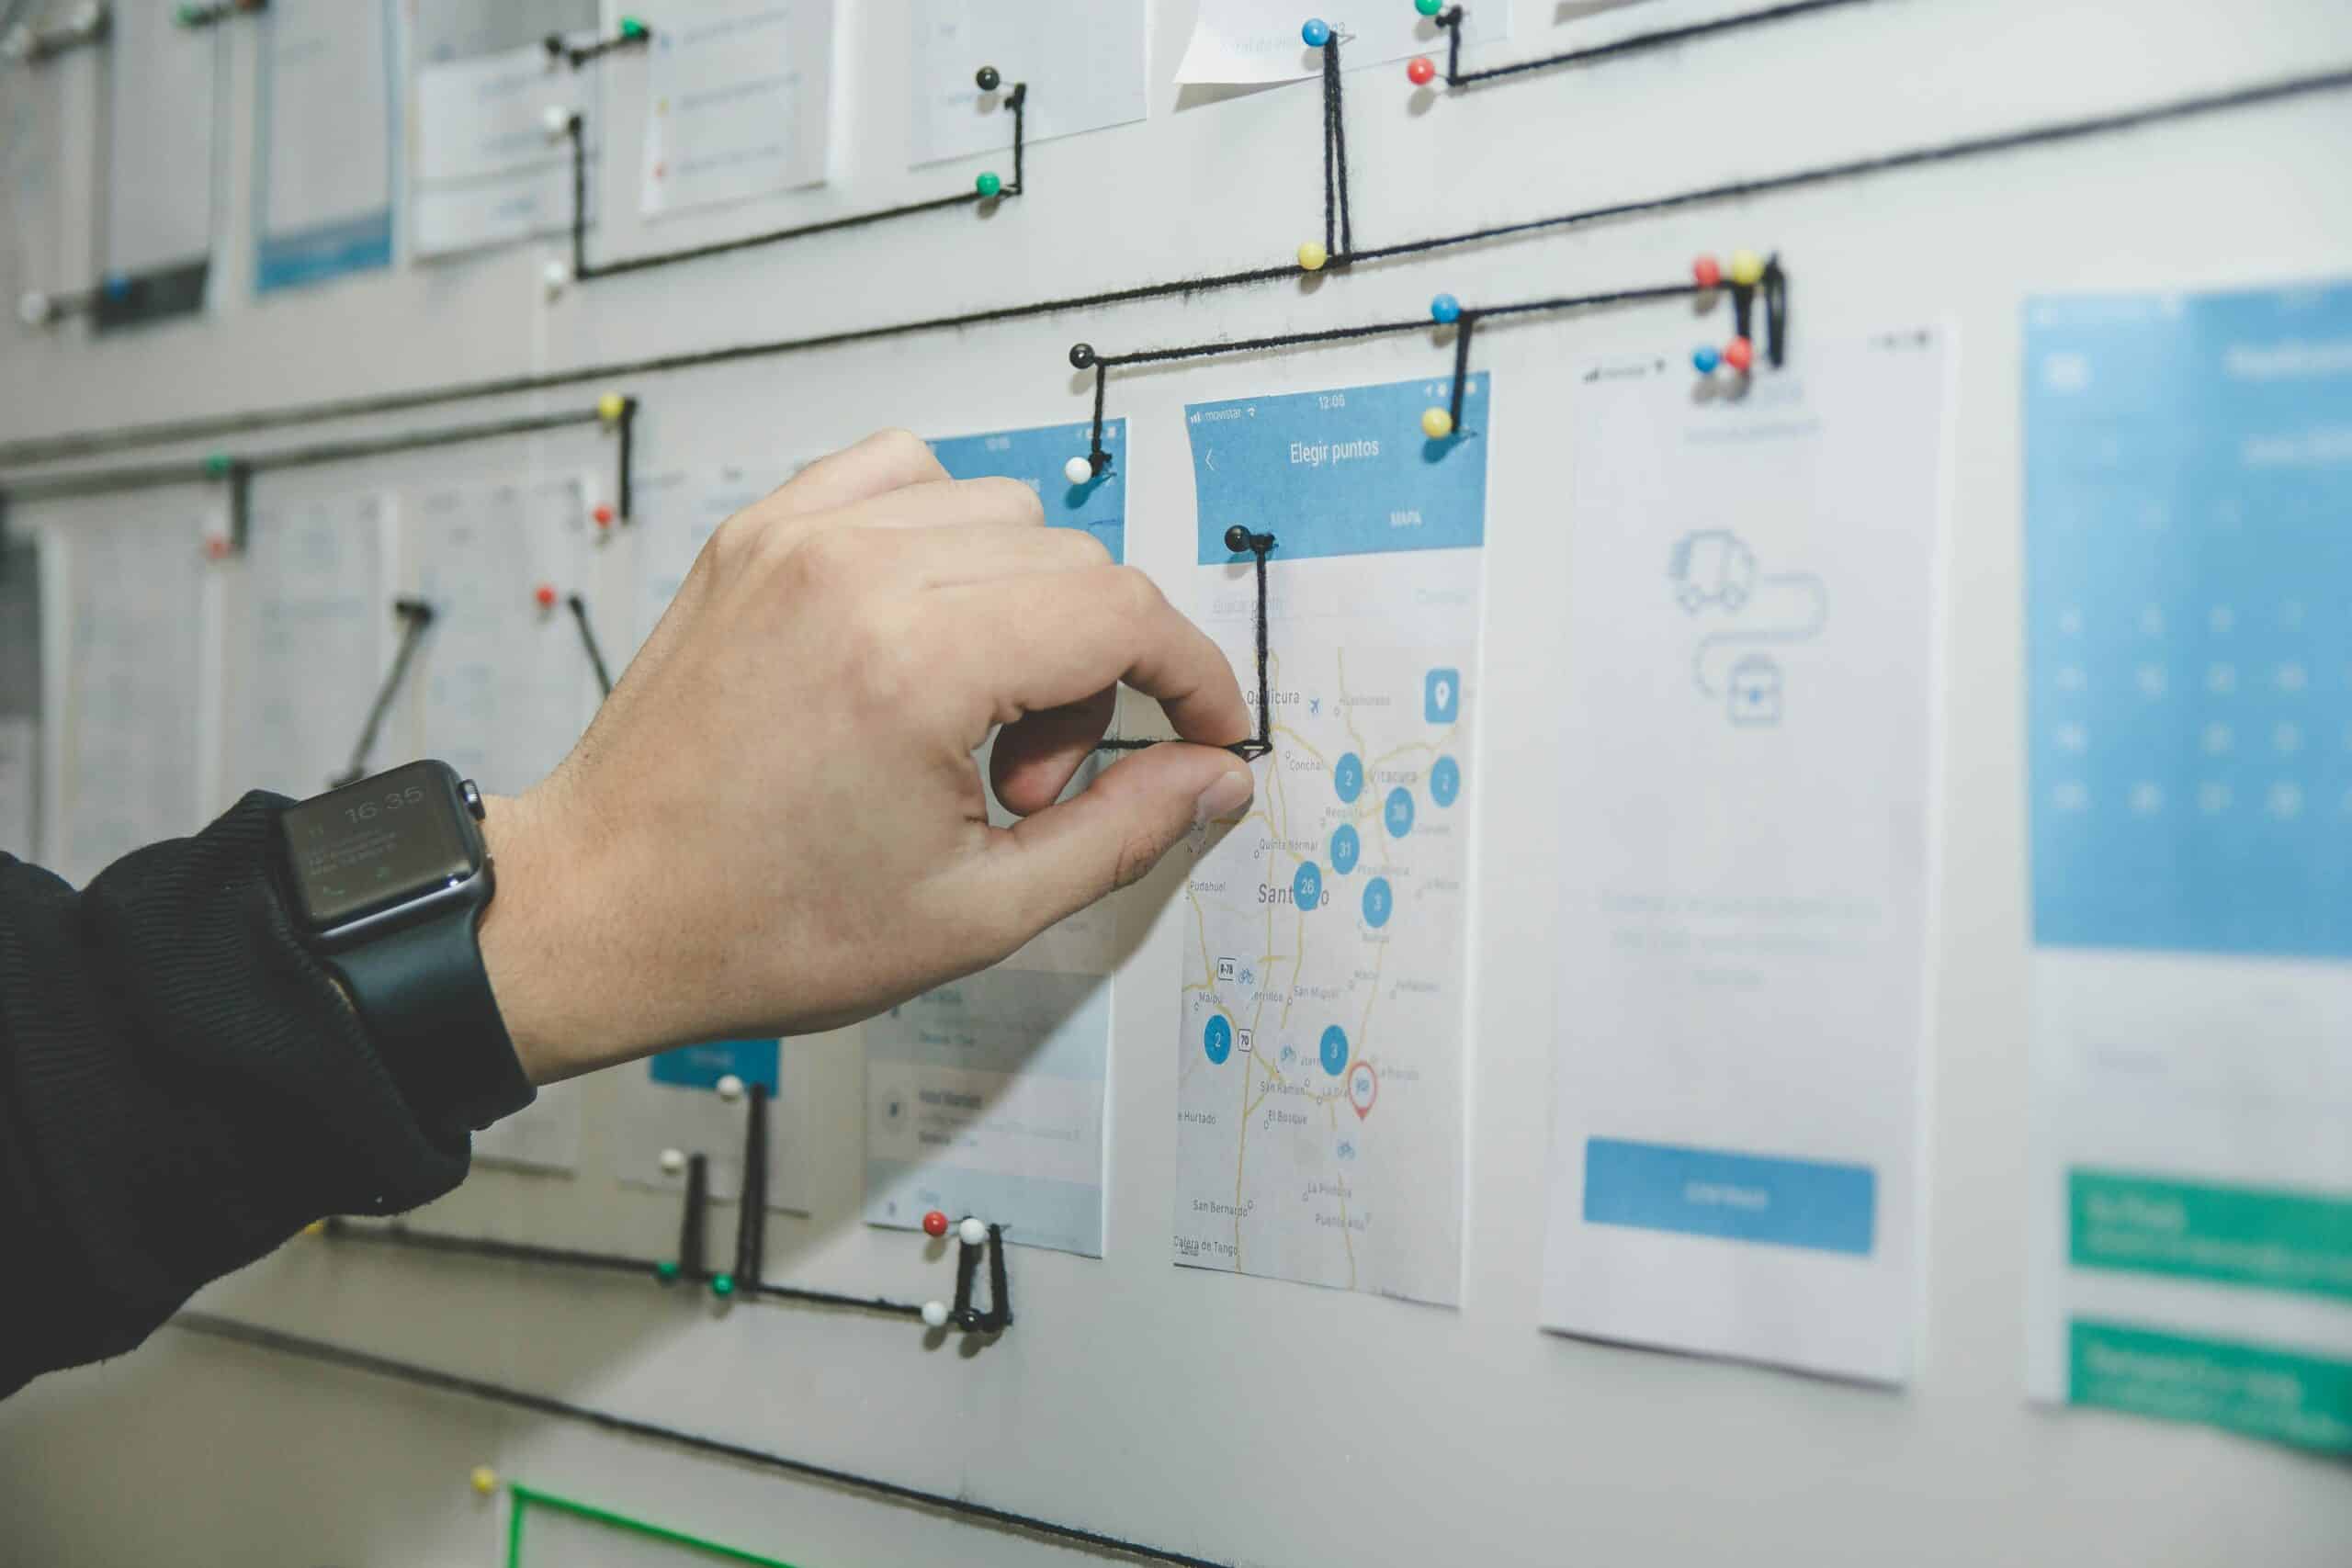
[[1110, 833]]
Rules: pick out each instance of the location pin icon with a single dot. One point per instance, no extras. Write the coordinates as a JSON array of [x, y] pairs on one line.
[[1363, 1087]]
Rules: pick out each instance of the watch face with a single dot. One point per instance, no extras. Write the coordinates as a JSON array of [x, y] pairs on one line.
[[379, 843]]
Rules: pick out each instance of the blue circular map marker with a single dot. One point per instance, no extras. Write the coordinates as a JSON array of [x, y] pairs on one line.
[[1399, 816], [1377, 902], [1345, 847], [1335, 1050], [1306, 887], [1347, 776], [1446, 781], [1217, 1039]]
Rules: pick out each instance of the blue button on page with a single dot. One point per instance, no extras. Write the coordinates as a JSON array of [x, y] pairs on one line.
[[701, 1066], [1037, 457], [1738, 1197], [1346, 472]]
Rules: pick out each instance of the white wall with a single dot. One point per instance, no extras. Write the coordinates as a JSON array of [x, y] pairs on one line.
[[1243, 1419]]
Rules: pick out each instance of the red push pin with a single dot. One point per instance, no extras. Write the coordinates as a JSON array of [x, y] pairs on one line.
[[1707, 272], [1420, 72], [215, 547], [546, 596], [934, 1223], [603, 516], [1739, 354]]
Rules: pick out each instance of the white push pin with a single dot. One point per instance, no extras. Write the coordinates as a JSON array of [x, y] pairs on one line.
[[934, 1315], [555, 277], [1077, 470], [16, 44], [971, 1232], [557, 121], [674, 1161], [33, 308], [731, 1089]]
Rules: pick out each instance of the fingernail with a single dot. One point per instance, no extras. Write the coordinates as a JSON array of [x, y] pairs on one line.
[[1228, 794]]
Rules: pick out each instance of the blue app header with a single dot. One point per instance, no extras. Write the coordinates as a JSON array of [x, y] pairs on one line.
[[1344, 472], [1038, 458]]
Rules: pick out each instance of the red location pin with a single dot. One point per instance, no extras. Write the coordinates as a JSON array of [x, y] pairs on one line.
[[546, 596], [1363, 1087]]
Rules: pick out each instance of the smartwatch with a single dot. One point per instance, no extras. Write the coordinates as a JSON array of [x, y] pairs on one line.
[[387, 879]]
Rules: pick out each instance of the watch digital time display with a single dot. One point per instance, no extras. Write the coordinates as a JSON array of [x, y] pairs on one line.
[[378, 844]]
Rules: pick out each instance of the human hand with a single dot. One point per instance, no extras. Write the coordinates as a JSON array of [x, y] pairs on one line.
[[775, 824]]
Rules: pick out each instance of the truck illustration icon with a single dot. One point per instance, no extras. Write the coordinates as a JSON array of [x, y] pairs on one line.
[[1712, 566]]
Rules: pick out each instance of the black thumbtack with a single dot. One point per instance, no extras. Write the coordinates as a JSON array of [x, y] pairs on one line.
[[1081, 357], [988, 79]]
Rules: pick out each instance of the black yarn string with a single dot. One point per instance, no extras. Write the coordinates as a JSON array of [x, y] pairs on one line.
[[415, 616], [579, 607], [1339, 134], [576, 56], [583, 270], [1463, 324], [1637, 43], [690, 1227], [965, 1315], [255, 1337], [751, 1208], [51, 447], [1237, 539], [1331, 151]]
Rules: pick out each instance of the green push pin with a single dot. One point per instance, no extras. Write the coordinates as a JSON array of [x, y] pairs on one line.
[[1429, 7], [631, 28], [988, 184], [666, 1273], [219, 464], [723, 1284], [190, 16]]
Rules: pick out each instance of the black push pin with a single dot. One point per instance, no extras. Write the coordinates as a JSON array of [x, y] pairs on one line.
[[1081, 357], [988, 80]]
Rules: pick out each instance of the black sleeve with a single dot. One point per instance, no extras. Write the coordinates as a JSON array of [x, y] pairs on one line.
[[182, 1088]]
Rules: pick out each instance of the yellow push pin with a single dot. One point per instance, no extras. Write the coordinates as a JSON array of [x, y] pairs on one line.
[[1746, 269], [1436, 423], [610, 407], [1312, 256], [316, 1227], [485, 1480]]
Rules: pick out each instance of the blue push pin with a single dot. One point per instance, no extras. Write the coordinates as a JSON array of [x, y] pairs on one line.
[[117, 286], [1317, 32], [1445, 310], [1705, 361]]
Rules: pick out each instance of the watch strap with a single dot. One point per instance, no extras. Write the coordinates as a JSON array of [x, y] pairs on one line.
[[426, 1001]]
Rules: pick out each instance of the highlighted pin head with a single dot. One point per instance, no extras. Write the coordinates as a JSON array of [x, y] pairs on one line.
[[934, 1315], [1429, 7], [1078, 471], [33, 308], [215, 547], [556, 120], [545, 594], [672, 1161], [218, 463], [1746, 269], [633, 30], [611, 407], [1312, 256], [603, 514], [666, 1272], [1703, 359], [1237, 539], [483, 1480], [1445, 308], [722, 1285], [934, 1223], [1081, 357], [971, 1232], [1314, 31], [1421, 71], [1706, 272], [986, 79], [554, 278], [1436, 423], [117, 286], [729, 1087], [989, 186], [1739, 355]]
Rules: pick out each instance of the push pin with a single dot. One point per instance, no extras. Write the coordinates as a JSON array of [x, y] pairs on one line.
[[1445, 310], [1746, 269], [730, 1088], [611, 407], [722, 1285], [17, 44], [1081, 357], [556, 120], [215, 547], [1316, 32], [216, 465], [672, 1161], [117, 286], [1706, 272], [987, 80], [1421, 71], [971, 1232], [1080, 469], [1703, 359], [1429, 7], [633, 31], [989, 186], [33, 309], [554, 278], [1237, 539], [1436, 423], [1739, 355], [1312, 256], [603, 514], [934, 1315], [934, 1223], [666, 1272], [545, 594], [484, 1481]]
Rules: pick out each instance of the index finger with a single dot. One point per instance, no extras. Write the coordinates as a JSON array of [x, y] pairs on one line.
[[1061, 638], [884, 461]]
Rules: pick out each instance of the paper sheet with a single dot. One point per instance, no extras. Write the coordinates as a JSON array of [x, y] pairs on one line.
[[1241, 41], [310, 641], [31, 220], [487, 171], [739, 93], [162, 80], [503, 684], [133, 676], [2189, 668], [325, 139], [1321, 1045], [1083, 60], [985, 1097], [1749, 698], [672, 1103]]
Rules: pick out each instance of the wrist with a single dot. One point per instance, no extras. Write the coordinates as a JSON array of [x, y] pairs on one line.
[[543, 968]]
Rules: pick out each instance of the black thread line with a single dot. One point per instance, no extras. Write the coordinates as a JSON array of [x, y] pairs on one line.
[[255, 1337], [415, 616], [1097, 458], [220, 11], [1331, 108], [578, 55], [1636, 43], [1236, 538], [50, 449], [579, 607], [583, 270], [751, 1206], [1462, 326], [690, 1230], [1337, 132]]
